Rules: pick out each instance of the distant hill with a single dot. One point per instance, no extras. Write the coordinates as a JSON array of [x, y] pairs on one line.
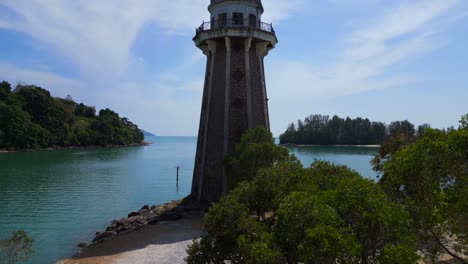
[[30, 118], [147, 134]]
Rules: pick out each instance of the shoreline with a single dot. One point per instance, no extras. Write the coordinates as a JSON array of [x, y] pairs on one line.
[[164, 243], [56, 148], [337, 145], [154, 232]]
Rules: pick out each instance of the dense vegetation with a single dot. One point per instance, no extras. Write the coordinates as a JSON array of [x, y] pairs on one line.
[[428, 176], [31, 119], [283, 212], [323, 130]]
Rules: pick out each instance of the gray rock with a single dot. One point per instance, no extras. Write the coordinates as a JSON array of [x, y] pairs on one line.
[[145, 207], [111, 227], [133, 214], [144, 212]]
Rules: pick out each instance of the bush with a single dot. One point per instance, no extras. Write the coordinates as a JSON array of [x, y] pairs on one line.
[[17, 248]]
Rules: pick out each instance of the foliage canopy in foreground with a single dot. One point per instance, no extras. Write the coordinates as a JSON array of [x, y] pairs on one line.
[[429, 178], [286, 213]]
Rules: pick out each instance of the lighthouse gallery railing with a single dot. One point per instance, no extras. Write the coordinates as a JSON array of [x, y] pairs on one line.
[[235, 23]]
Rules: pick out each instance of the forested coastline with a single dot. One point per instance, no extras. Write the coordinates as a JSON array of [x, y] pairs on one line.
[[326, 130], [30, 118]]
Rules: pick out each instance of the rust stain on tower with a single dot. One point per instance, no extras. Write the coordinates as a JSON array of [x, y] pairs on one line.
[[235, 42]]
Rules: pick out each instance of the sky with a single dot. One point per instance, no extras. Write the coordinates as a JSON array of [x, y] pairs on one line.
[[385, 60]]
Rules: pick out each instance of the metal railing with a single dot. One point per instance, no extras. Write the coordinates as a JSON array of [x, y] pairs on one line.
[[235, 23], [219, 1]]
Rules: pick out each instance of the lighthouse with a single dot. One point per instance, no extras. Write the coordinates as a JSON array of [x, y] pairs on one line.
[[235, 41]]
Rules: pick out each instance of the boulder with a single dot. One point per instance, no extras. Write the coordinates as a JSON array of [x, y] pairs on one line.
[[122, 222], [159, 209], [121, 229], [133, 214], [145, 207], [111, 227], [144, 212], [104, 235]]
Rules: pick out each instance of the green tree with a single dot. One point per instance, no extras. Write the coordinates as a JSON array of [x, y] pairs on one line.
[[36, 102], [256, 150], [85, 111], [18, 132], [56, 124], [430, 179], [323, 130], [17, 248], [464, 122], [5, 91]]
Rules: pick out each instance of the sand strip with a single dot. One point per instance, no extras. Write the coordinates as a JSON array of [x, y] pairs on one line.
[[165, 242]]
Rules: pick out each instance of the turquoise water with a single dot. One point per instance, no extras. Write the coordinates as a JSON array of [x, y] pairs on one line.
[[357, 158], [62, 198]]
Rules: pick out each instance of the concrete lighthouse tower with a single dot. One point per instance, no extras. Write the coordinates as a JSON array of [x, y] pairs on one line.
[[235, 41]]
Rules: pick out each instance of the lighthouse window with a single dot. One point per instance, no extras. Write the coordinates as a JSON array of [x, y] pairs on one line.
[[222, 20], [252, 21], [238, 18]]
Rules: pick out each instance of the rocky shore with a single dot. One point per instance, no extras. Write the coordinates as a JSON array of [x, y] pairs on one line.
[[149, 215]]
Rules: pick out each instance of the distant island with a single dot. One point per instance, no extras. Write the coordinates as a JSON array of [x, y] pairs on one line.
[[147, 134], [325, 130], [30, 118]]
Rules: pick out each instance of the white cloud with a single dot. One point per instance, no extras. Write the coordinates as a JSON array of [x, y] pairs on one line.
[[59, 85], [279, 10], [369, 52], [98, 35]]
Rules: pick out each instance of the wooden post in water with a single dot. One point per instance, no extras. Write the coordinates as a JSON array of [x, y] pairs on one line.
[[177, 182]]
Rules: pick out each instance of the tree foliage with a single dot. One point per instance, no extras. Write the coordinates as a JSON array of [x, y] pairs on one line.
[[287, 213], [30, 118], [256, 150], [429, 177], [17, 248], [323, 130]]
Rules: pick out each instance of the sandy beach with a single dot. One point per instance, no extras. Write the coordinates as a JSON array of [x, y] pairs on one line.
[[163, 243]]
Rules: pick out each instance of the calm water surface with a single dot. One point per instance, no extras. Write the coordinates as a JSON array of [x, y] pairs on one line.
[[357, 158], [62, 197]]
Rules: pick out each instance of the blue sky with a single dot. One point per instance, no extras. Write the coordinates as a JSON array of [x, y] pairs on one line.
[[382, 59]]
